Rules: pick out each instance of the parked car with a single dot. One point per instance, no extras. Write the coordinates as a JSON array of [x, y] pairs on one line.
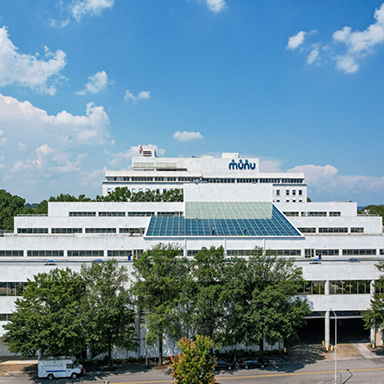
[[253, 364], [222, 364]]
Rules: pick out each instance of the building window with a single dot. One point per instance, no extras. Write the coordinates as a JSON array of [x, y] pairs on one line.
[[287, 192], [307, 230], [314, 214], [132, 231], [278, 192], [334, 214], [327, 252], [82, 214], [349, 287], [357, 230], [58, 231], [141, 214], [291, 213], [111, 214], [43, 253], [125, 253], [359, 252], [11, 253], [87, 253], [287, 201], [313, 288], [169, 214], [12, 289], [300, 192], [100, 230], [294, 192], [308, 253], [283, 252], [32, 230], [193, 252], [333, 230], [133, 190]]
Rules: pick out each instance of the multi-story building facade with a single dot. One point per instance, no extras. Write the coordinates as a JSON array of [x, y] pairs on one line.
[[237, 208]]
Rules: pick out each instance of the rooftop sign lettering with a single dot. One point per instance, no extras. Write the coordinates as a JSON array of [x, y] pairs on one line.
[[241, 165]]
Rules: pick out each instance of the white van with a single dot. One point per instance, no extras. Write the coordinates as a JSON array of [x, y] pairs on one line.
[[62, 366]]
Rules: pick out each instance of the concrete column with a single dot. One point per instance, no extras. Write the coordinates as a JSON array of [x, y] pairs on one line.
[[326, 288], [185, 248], [326, 330], [138, 333], [89, 351], [225, 247], [373, 336]]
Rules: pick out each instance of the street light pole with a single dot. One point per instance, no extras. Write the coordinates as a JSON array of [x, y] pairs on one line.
[[334, 313]]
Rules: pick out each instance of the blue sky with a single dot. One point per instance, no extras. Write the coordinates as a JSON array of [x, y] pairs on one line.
[[84, 83]]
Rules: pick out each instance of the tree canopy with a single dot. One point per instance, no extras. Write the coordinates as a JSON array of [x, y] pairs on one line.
[[265, 305], [374, 317], [108, 311], [158, 274], [48, 316], [194, 365]]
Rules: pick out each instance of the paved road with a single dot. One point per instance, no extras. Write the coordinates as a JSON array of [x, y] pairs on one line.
[[360, 372]]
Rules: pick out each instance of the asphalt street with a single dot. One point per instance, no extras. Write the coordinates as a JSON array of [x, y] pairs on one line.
[[353, 371]]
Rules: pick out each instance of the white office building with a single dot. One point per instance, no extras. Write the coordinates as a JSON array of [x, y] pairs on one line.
[[227, 202]]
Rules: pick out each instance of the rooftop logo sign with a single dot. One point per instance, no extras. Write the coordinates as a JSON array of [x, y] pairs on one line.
[[240, 165]]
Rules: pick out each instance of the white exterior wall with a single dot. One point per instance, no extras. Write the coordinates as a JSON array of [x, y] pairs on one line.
[[18, 269]]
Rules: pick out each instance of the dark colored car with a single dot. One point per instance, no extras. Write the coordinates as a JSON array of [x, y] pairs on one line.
[[253, 364], [222, 364]]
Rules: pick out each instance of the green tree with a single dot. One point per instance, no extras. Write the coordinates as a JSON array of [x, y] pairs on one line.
[[108, 311], [264, 301], [47, 316], [10, 206], [159, 273], [119, 194], [208, 300], [194, 365], [374, 317]]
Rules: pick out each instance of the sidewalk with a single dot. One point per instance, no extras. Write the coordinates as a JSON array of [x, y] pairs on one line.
[[16, 367]]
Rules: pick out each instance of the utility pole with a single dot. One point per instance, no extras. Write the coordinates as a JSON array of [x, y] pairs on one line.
[[334, 313]]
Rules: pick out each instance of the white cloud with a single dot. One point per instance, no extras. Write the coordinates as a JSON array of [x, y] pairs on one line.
[[96, 83], [325, 184], [60, 24], [23, 119], [348, 47], [313, 55], [296, 40], [29, 70], [187, 136], [131, 152], [141, 96], [48, 154], [216, 5], [358, 43], [91, 7]]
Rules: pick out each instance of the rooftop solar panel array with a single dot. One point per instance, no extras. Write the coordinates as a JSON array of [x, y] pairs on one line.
[[250, 219]]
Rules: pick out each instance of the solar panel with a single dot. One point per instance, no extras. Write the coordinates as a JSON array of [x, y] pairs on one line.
[[261, 219]]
